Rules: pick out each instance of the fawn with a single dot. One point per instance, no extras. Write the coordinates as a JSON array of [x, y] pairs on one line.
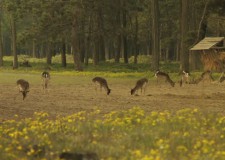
[[140, 84], [23, 87], [184, 78], [164, 76], [45, 78], [102, 82]]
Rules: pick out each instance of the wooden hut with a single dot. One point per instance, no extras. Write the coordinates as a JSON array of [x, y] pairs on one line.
[[212, 53]]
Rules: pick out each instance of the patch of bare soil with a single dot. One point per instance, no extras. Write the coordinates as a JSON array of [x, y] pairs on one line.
[[66, 99]]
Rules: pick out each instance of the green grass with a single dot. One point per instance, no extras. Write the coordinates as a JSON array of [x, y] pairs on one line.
[[106, 69], [109, 66]]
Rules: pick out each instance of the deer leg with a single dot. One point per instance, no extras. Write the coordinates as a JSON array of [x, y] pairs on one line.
[[157, 82], [106, 89], [46, 83], [43, 85], [96, 87], [100, 88], [145, 88]]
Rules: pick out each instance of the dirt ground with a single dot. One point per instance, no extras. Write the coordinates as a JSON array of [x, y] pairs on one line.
[[68, 95]]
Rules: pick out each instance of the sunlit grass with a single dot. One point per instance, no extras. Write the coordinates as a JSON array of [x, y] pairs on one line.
[[127, 134], [38, 65]]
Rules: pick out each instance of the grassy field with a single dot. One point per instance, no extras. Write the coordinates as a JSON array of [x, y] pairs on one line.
[[71, 120]]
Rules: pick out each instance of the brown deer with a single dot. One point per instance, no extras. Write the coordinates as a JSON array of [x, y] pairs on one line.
[[164, 76], [102, 83], [23, 87], [140, 84], [184, 78], [205, 76], [45, 78]]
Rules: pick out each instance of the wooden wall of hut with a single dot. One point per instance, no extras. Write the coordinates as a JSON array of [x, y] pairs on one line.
[[213, 60]]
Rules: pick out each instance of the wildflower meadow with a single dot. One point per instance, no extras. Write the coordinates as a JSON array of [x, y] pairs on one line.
[[127, 134]]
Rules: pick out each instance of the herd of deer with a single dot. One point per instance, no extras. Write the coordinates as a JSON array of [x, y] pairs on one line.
[[140, 84], [23, 85]]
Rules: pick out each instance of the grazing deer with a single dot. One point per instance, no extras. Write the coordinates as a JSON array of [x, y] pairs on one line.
[[205, 76], [140, 84], [184, 78], [102, 82], [23, 87], [164, 76], [45, 77]]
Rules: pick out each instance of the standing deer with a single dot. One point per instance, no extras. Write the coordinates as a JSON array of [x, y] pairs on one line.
[[45, 78], [140, 84], [102, 83], [184, 78], [23, 87], [164, 76]]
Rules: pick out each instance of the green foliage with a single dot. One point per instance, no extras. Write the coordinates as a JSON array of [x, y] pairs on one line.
[[127, 134], [108, 69]]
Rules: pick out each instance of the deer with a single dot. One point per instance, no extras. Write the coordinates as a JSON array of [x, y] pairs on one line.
[[23, 86], [164, 76], [140, 84], [102, 83], [205, 76], [184, 78], [45, 78]]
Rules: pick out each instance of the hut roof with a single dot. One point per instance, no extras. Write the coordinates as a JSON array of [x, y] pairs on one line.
[[207, 43]]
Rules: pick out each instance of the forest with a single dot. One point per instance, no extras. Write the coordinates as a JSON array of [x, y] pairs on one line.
[[103, 30], [112, 80]]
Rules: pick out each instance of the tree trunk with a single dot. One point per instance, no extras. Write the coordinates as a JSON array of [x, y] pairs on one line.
[[14, 51], [75, 43], [96, 53], [101, 36], [82, 43], [49, 53], [42, 50], [124, 21], [1, 44], [155, 35], [34, 48], [107, 48], [136, 52], [118, 51], [88, 40], [87, 51], [118, 46], [194, 55], [63, 53], [203, 23], [102, 48], [184, 29]]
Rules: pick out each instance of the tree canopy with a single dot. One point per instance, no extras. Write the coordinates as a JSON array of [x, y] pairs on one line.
[[105, 29]]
